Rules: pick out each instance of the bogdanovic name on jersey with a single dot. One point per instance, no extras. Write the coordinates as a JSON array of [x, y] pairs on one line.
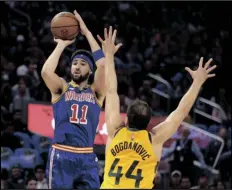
[[138, 148]]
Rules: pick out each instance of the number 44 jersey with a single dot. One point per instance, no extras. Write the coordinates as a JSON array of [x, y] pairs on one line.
[[130, 161]]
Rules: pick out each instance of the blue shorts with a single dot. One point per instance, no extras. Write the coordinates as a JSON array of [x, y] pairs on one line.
[[70, 170]]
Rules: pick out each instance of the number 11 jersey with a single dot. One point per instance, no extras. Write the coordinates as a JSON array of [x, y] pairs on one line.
[[130, 161], [76, 115]]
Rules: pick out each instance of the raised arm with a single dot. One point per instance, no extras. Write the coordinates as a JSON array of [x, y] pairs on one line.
[[99, 76], [112, 105], [51, 79], [166, 129]]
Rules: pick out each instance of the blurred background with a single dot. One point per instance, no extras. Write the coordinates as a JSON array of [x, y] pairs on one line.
[[160, 39]]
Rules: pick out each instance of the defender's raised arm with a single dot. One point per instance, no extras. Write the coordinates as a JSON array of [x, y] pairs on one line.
[[112, 105], [165, 130]]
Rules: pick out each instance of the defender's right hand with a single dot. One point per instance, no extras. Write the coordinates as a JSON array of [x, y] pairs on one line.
[[64, 43]]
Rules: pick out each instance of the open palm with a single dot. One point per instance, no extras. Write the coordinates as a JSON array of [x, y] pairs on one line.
[[109, 43], [202, 73]]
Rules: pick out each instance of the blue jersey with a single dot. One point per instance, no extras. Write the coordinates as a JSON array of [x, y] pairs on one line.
[[76, 115]]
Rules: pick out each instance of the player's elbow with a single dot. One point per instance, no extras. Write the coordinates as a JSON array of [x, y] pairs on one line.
[[43, 73]]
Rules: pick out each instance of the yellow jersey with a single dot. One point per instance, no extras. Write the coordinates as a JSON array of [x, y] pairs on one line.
[[130, 161]]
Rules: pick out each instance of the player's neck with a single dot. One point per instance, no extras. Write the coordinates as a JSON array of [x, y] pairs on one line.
[[81, 85]]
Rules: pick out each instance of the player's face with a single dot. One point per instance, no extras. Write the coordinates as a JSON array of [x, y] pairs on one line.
[[80, 70]]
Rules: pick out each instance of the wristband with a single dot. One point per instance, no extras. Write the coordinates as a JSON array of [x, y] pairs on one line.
[[98, 55]]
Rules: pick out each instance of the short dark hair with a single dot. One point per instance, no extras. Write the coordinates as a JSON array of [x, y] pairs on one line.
[[139, 115], [30, 178], [41, 167]]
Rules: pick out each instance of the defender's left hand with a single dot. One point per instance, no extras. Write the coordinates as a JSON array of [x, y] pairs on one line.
[[108, 45]]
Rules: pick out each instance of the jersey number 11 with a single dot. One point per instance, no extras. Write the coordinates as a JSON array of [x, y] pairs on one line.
[[74, 118]]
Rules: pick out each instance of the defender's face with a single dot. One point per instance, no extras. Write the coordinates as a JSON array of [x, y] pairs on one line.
[[80, 70]]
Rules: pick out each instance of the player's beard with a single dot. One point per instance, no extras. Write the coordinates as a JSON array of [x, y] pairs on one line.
[[80, 78]]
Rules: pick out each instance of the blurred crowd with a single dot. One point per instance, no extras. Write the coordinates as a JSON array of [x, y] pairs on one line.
[[158, 37]]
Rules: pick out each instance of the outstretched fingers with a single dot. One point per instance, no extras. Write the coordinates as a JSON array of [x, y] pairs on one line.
[[189, 70], [100, 39], [118, 46], [114, 36], [211, 75], [211, 69], [201, 62], [105, 33], [208, 63]]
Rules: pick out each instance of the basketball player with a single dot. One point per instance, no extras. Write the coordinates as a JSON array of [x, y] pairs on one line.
[[132, 153], [76, 107]]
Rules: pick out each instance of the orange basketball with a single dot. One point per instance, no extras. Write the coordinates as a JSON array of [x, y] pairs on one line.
[[65, 26]]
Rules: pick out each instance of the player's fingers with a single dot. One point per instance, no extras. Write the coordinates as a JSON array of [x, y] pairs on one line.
[[105, 33], [211, 75], [110, 33], [201, 62], [114, 36], [55, 40], [211, 68], [188, 69], [118, 46], [77, 16], [100, 39], [208, 63]]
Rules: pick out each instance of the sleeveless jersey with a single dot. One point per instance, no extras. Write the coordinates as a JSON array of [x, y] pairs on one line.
[[76, 115], [130, 161]]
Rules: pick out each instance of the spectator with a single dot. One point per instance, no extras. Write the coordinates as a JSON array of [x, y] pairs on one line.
[[224, 164], [8, 139], [185, 183], [31, 183], [4, 179], [21, 99], [40, 177], [203, 183], [219, 185], [16, 180], [185, 152], [175, 179], [158, 181]]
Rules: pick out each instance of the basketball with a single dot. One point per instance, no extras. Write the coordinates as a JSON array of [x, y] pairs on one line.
[[65, 26]]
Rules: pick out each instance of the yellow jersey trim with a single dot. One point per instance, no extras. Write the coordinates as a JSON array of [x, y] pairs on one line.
[[99, 103], [73, 149], [60, 95]]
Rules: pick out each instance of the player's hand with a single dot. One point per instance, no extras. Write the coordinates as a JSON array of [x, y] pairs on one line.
[[108, 45], [83, 27], [202, 73], [64, 43]]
